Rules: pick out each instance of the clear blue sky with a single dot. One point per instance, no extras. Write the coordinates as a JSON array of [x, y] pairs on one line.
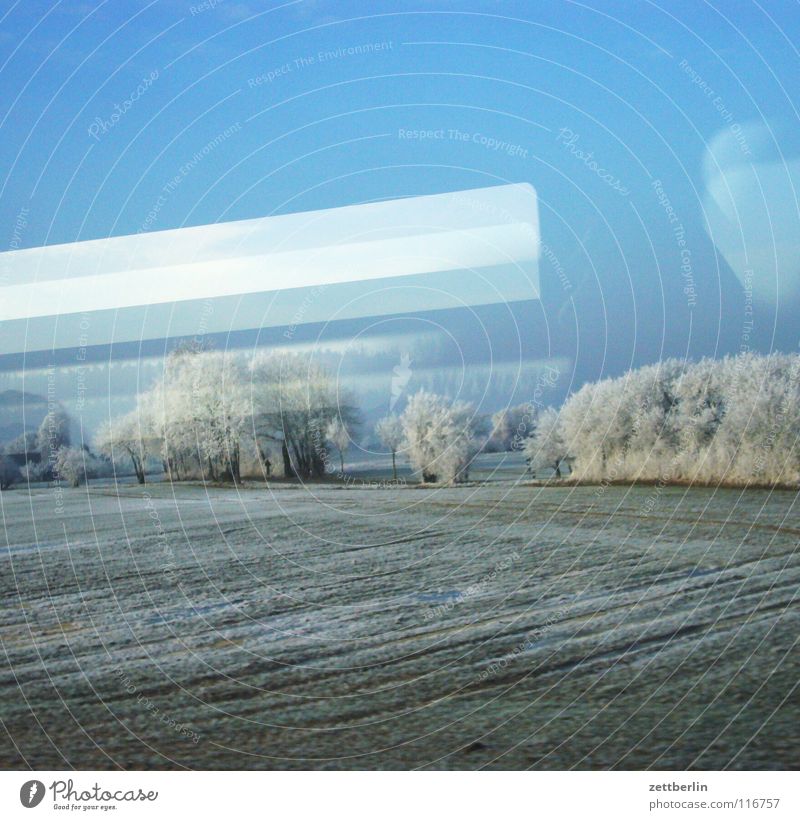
[[246, 109]]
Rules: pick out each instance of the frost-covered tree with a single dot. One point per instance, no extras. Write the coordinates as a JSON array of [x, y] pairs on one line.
[[339, 436], [618, 427], [293, 399], [390, 432], [648, 407], [546, 448], [582, 437], [733, 420], [23, 443], [197, 414], [217, 412], [125, 436], [71, 465], [758, 439], [510, 428], [440, 436]]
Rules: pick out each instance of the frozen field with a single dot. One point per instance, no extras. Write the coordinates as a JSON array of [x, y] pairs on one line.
[[494, 626]]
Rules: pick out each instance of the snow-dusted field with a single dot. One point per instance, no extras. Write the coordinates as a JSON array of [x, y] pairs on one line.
[[492, 626]]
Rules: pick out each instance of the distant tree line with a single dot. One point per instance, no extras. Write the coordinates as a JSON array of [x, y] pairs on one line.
[[217, 417], [48, 454], [45, 454]]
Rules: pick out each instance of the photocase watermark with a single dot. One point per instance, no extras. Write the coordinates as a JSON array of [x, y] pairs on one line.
[[20, 223], [726, 115], [320, 58], [31, 793], [174, 183], [154, 710], [570, 139], [679, 232], [372, 483], [101, 126], [511, 149], [66, 792], [15, 243]]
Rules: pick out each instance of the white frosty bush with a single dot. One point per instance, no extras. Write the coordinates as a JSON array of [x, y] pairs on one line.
[[390, 432], [439, 436], [71, 465]]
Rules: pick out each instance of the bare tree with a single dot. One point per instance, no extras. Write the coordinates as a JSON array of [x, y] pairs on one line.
[[292, 401], [338, 435], [125, 435], [390, 431]]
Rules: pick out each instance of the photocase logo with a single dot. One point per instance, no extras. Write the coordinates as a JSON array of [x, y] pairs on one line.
[[31, 793], [401, 374]]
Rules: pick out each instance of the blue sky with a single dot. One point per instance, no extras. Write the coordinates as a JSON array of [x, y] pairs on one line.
[[631, 120]]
